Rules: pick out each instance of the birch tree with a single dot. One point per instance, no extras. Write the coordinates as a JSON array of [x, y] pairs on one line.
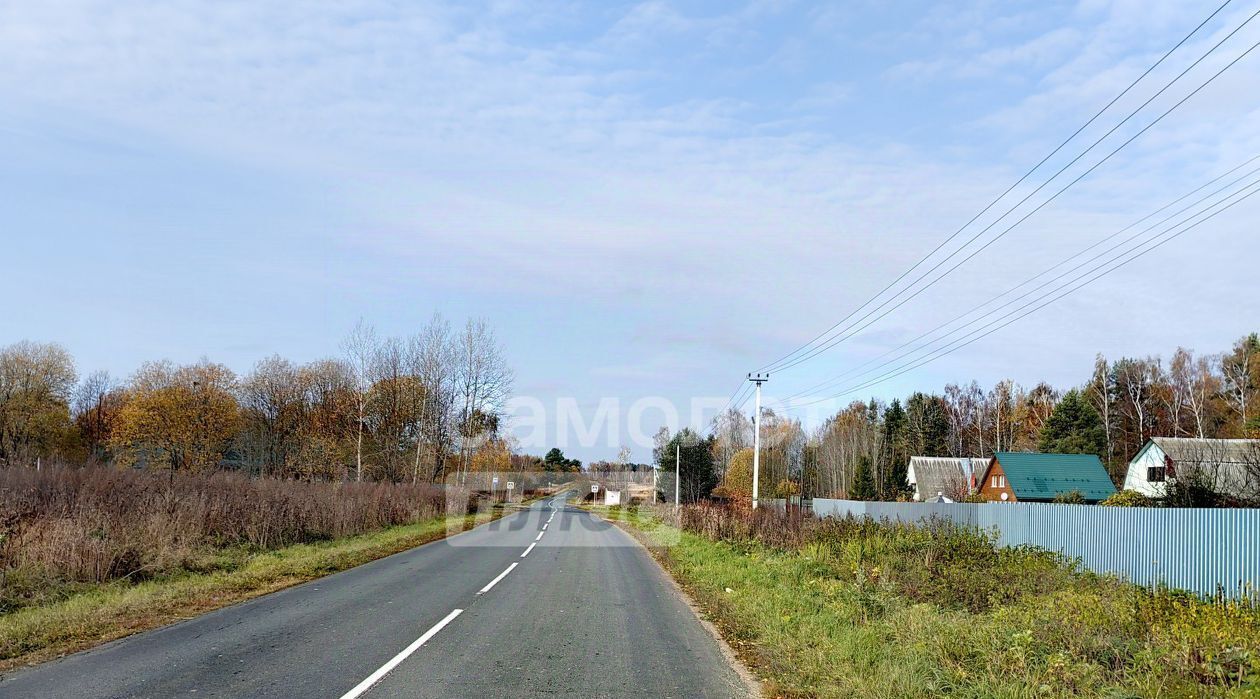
[[360, 350], [483, 383], [432, 359]]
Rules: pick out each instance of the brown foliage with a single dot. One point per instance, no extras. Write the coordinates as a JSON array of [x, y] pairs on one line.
[[98, 524]]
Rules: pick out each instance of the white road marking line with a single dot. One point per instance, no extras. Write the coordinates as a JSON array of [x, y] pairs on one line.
[[539, 536], [375, 677], [544, 528], [531, 548], [494, 582]]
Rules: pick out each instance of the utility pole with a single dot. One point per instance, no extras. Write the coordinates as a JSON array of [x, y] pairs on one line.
[[677, 471], [758, 380]]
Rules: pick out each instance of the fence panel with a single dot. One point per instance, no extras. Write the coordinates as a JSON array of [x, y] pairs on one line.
[[1200, 550]]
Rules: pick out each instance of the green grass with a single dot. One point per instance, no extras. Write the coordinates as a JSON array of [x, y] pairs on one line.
[[81, 616], [880, 612]]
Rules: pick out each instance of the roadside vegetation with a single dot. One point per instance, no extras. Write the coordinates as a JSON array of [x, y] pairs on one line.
[[845, 608], [91, 554]]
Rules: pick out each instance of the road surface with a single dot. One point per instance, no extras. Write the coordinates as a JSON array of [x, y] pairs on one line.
[[547, 602]]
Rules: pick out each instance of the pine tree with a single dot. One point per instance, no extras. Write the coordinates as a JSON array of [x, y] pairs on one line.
[[863, 487], [891, 481], [1073, 428]]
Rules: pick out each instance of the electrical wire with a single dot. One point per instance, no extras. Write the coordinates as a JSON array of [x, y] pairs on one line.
[[787, 361]]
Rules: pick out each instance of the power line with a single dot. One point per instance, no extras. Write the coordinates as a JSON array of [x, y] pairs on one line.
[[955, 346], [743, 386], [836, 379], [853, 331], [780, 363]]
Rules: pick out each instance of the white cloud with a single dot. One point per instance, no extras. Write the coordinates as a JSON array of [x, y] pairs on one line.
[[450, 140]]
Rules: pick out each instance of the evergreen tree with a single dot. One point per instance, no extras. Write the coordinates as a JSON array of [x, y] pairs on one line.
[[891, 481], [863, 487], [1073, 428], [699, 476], [927, 426], [554, 460]]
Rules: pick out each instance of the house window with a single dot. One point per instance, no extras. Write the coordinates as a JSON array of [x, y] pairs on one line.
[[999, 481], [1156, 474]]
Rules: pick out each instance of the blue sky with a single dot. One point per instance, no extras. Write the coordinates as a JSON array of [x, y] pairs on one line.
[[644, 199]]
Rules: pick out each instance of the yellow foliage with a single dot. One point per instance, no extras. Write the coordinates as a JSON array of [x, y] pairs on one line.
[[737, 483], [177, 418], [493, 455]]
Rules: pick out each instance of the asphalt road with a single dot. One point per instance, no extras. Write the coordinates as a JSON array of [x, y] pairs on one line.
[[548, 602]]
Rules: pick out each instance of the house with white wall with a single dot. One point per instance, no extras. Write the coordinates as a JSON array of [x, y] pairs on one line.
[[1227, 466], [948, 477]]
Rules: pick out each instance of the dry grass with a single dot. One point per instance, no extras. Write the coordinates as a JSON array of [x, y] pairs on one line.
[[63, 531], [107, 611]]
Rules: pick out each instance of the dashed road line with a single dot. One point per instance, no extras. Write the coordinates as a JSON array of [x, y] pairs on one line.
[[375, 677], [494, 582], [530, 548]]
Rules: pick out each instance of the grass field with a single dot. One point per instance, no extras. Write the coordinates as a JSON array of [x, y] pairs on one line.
[[869, 610], [89, 614]]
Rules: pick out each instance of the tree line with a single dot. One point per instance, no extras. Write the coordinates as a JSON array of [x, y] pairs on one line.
[[416, 408], [864, 449]]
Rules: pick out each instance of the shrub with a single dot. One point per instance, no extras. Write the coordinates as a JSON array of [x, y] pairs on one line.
[[97, 524], [1127, 498], [1071, 497]]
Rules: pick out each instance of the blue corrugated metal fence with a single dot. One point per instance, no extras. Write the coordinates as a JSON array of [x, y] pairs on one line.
[[1199, 550]]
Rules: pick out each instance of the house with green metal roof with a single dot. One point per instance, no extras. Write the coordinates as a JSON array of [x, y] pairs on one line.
[[1015, 476]]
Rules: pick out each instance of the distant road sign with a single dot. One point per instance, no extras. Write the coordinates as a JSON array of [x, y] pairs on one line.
[[495, 480], [594, 487], [510, 485]]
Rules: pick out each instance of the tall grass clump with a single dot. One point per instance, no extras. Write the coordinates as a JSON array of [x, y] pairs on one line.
[[65, 529]]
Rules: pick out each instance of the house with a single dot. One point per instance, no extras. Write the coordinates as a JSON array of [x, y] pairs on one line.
[[1029, 477], [953, 478], [1227, 466]]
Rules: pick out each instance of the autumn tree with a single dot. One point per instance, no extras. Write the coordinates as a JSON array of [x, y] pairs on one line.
[[732, 432], [360, 352], [839, 442], [330, 428], [483, 381], [97, 401], [273, 413], [180, 418], [736, 483], [1241, 382], [36, 381], [432, 357]]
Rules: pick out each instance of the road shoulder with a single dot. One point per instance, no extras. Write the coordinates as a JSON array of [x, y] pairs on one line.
[[750, 680]]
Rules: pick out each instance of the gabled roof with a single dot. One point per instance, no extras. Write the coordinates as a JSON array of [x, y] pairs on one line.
[[942, 474], [1229, 465], [1043, 476], [1214, 451]]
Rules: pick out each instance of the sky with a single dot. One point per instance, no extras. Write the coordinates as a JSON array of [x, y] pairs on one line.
[[645, 200]]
